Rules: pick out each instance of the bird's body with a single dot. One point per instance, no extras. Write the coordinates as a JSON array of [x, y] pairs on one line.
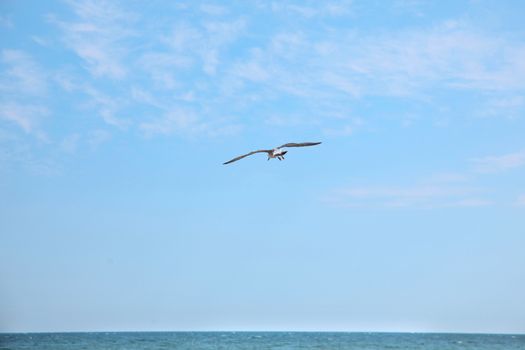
[[277, 152]]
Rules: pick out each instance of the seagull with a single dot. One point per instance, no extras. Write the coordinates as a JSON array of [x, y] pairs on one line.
[[277, 152]]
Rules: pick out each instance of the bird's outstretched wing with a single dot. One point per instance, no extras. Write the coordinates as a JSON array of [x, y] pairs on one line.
[[303, 144], [246, 155]]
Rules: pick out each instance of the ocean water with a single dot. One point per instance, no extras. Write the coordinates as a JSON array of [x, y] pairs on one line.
[[259, 340]]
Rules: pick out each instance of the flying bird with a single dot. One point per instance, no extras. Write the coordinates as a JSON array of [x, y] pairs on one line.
[[277, 152]]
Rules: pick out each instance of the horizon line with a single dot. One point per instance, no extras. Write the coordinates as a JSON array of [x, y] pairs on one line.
[[262, 331]]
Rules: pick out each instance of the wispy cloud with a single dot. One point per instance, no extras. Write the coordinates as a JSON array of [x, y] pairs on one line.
[[23, 85], [170, 123], [413, 7], [447, 178], [320, 68], [162, 68], [213, 9], [177, 65], [70, 143], [185, 122], [107, 105], [415, 196], [224, 60], [520, 201], [27, 117], [40, 41], [452, 55], [291, 120], [446, 189], [508, 106], [329, 68], [98, 137], [16, 152], [22, 74], [6, 22], [204, 43], [347, 129], [99, 35], [145, 97], [472, 202], [311, 9], [499, 163]]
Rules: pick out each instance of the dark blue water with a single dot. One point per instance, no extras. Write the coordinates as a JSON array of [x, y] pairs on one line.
[[258, 340]]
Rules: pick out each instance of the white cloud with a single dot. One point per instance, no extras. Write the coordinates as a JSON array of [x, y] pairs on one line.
[[441, 190], [413, 7], [447, 178], [23, 85], [27, 117], [315, 9], [472, 202], [66, 81], [107, 106], [162, 67], [417, 196], [70, 143], [99, 36], [101, 62], [494, 164], [252, 71], [213, 10], [23, 75], [39, 40], [452, 55], [346, 129], [184, 38], [289, 120], [341, 83], [99, 9], [17, 152], [184, 122], [185, 59], [338, 8], [142, 96], [304, 11], [175, 121], [204, 42], [510, 107], [166, 61], [98, 137], [402, 192], [6, 22], [218, 35], [444, 56]]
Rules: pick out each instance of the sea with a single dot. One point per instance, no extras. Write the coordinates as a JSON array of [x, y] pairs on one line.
[[258, 340]]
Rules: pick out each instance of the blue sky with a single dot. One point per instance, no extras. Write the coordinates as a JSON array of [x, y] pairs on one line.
[[116, 212]]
